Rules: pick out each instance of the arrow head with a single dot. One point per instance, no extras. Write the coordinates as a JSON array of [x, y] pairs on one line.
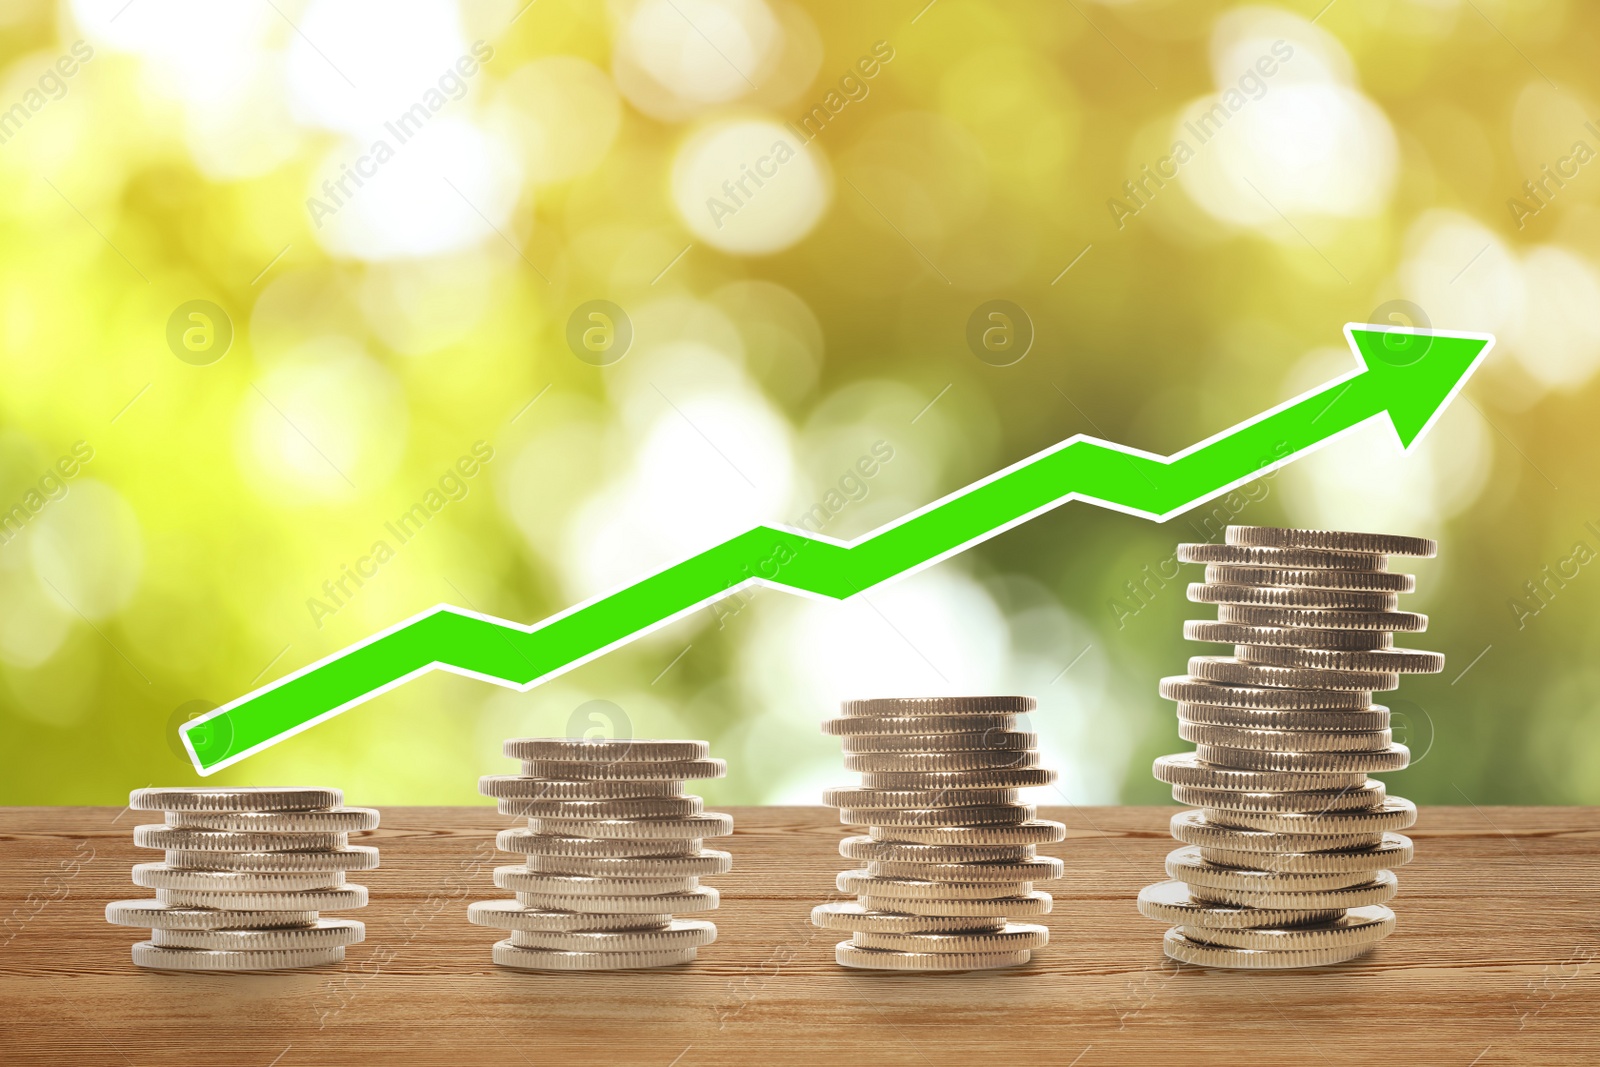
[[1416, 372]]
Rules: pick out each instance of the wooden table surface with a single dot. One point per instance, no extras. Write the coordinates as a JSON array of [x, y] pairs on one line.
[[1495, 961]]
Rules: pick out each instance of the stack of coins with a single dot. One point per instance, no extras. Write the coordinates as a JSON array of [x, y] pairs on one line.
[[611, 852], [246, 874], [1286, 861], [949, 849]]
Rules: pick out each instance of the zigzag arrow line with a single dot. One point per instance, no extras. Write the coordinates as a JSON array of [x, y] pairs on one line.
[[1406, 374]]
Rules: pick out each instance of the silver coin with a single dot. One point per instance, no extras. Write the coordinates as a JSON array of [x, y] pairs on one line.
[[852, 916], [1184, 950], [1310, 577], [1008, 778], [973, 741], [351, 858], [1380, 890], [705, 862], [157, 835], [989, 815], [1373, 717], [1331, 540], [604, 750], [324, 933], [1303, 618], [703, 899], [1393, 850], [346, 896], [1172, 902], [684, 827], [147, 954], [865, 883], [906, 706], [892, 725], [522, 880], [856, 797], [510, 915], [1009, 937], [1188, 769], [1193, 828], [1358, 926], [1374, 661], [155, 915], [850, 955], [529, 959], [1290, 597], [1032, 832], [1232, 633], [331, 821], [1037, 869], [1023, 906], [625, 770], [1232, 670], [1298, 741], [1189, 690], [1393, 758], [252, 798], [1226, 802], [161, 876], [634, 808], [939, 761], [1391, 813], [526, 841], [1295, 558], [526, 787], [869, 849], [678, 934]]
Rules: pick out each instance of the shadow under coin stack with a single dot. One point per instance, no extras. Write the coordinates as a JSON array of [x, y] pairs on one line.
[[949, 850], [246, 874], [1286, 861], [612, 851]]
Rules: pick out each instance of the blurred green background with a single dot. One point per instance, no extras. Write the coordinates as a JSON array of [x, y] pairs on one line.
[[393, 212]]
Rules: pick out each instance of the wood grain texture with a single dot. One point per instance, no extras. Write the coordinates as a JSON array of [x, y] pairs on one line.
[[1495, 961]]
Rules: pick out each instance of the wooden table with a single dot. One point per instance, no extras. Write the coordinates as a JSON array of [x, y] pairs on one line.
[[1495, 961]]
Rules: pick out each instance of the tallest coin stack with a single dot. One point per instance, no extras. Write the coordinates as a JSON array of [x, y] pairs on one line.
[[1286, 861]]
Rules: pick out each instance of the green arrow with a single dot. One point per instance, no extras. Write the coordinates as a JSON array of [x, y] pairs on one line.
[[1406, 374]]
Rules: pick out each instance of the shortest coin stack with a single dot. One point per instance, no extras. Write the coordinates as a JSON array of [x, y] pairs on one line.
[[612, 851], [246, 875]]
